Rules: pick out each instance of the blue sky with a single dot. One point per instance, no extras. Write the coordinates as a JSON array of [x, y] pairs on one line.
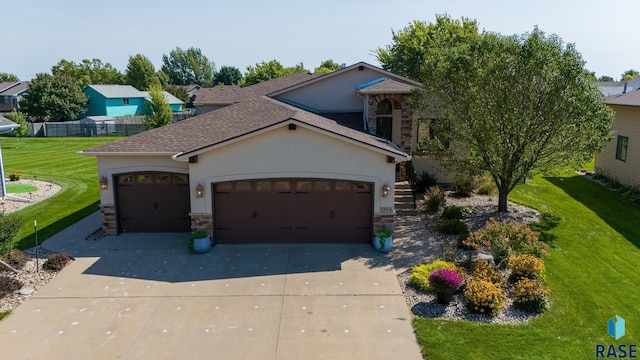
[[244, 32]]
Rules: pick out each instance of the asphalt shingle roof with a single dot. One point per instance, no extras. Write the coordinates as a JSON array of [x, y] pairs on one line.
[[212, 128], [15, 90], [388, 86], [629, 99], [117, 91], [230, 94]]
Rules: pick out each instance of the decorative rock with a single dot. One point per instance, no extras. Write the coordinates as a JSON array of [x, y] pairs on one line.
[[26, 291]]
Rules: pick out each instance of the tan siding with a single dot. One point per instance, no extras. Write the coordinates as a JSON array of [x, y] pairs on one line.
[[626, 123]]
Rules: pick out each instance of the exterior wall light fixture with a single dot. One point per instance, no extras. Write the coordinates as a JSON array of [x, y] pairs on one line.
[[385, 191], [199, 191], [104, 184]]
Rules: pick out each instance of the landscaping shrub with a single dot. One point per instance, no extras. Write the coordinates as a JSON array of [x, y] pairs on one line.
[[484, 297], [506, 239], [486, 186], [420, 273], [530, 295], [463, 185], [453, 227], [485, 270], [14, 176], [56, 262], [525, 266], [425, 181], [452, 212], [445, 280], [9, 285], [10, 225], [433, 199], [15, 258]]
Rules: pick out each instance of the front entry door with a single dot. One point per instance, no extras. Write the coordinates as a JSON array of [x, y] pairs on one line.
[[384, 126]]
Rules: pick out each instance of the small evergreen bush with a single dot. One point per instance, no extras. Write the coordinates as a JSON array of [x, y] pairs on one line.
[[525, 266], [56, 262], [453, 227], [452, 212], [14, 176], [9, 285], [425, 181], [484, 297], [463, 185], [420, 273], [530, 295]]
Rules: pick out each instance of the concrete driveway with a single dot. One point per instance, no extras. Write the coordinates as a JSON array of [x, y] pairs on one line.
[[143, 296]]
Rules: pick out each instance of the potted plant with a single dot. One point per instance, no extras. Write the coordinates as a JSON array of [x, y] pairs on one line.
[[200, 242], [383, 241], [445, 282]]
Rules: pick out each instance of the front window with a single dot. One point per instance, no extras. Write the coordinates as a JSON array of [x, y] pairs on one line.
[[125, 101], [621, 148]]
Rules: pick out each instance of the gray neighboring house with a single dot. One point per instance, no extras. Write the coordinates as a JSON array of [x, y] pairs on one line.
[[11, 94]]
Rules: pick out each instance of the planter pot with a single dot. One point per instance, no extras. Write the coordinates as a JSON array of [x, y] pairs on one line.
[[444, 297], [201, 245], [383, 245]]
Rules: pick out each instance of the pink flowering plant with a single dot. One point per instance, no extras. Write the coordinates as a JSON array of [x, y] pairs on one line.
[[445, 280]]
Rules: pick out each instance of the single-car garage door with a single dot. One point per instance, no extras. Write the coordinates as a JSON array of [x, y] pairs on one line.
[[293, 210], [153, 202]]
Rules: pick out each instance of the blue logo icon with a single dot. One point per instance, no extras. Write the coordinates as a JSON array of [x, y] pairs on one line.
[[616, 327]]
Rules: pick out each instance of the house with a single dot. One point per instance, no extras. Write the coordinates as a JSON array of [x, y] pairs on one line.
[[611, 88], [121, 100], [620, 159], [304, 158], [11, 94]]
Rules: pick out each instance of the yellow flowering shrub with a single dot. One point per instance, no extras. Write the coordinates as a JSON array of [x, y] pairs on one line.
[[484, 270], [484, 297], [525, 267], [420, 273], [530, 295]]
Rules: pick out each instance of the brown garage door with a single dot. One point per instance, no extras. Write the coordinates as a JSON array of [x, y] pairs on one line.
[[153, 202], [293, 210]]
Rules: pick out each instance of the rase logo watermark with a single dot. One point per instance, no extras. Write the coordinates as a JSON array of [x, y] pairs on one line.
[[616, 329]]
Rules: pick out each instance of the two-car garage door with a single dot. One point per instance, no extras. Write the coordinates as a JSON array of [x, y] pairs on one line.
[[293, 210]]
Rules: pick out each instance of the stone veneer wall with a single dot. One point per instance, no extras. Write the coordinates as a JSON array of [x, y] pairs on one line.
[[406, 125], [109, 220], [202, 222], [383, 221]]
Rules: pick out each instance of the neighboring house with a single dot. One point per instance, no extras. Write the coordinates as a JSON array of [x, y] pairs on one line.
[[620, 159], [121, 100], [303, 158], [11, 94], [611, 88]]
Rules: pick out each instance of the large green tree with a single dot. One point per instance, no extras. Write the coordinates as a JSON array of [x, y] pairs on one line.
[[89, 72], [264, 71], [8, 77], [190, 66], [229, 75], [408, 49], [629, 75], [54, 98], [511, 106], [158, 110], [327, 66], [140, 72]]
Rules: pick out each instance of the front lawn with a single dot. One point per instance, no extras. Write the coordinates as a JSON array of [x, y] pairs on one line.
[[592, 270], [54, 159]]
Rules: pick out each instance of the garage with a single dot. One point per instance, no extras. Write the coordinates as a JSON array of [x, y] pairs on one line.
[[153, 202], [293, 211]]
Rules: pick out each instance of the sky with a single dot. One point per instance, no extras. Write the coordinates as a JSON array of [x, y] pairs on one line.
[[39, 33]]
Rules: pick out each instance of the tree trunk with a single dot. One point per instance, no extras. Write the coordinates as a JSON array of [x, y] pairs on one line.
[[502, 199]]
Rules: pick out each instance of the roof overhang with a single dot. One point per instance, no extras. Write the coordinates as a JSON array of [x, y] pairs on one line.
[[127, 153], [386, 148]]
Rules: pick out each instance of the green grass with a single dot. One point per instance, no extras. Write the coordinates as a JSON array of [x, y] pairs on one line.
[[592, 270], [20, 188], [57, 160]]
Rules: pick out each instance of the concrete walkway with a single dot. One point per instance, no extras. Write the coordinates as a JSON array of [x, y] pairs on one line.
[[143, 296]]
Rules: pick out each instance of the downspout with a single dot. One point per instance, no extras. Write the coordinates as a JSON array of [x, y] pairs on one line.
[[365, 112]]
